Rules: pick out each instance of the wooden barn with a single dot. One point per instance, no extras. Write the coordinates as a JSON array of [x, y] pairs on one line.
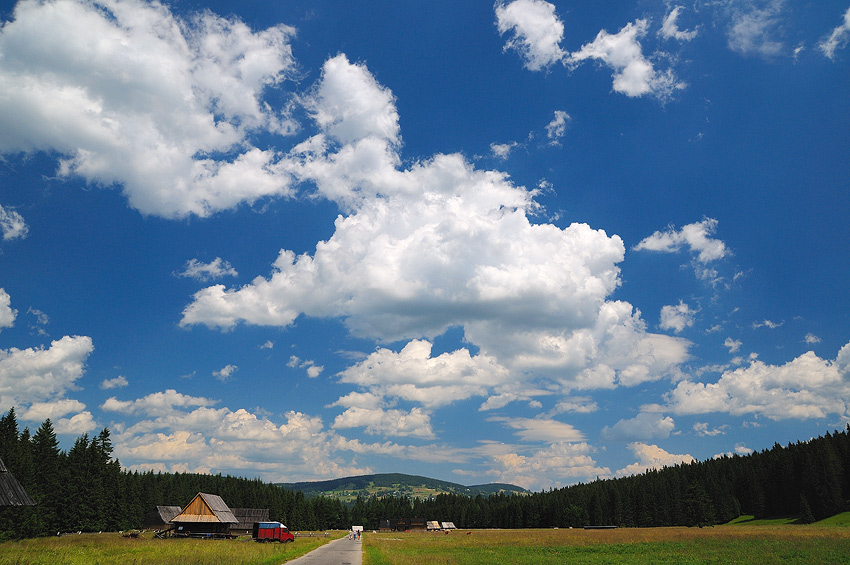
[[160, 517], [246, 517], [206, 515], [11, 491], [417, 524]]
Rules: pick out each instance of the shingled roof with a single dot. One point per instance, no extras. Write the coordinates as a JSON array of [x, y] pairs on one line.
[[206, 508], [11, 491]]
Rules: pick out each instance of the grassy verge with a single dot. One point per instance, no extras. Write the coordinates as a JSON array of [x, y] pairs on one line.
[[730, 544], [92, 549]]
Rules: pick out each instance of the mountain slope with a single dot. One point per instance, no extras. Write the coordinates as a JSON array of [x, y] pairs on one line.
[[396, 484]]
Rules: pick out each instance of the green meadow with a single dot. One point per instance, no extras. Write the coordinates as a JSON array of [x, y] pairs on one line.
[[757, 544], [93, 549]]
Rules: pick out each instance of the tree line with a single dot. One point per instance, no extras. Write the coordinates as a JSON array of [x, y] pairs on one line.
[[85, 489]]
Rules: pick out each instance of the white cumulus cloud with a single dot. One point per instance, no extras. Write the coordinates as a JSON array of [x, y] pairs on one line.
[[7, 313], [644, 426], [806, 387], [634, 74], [42, 375], [215, 269], [12, 224], [127, 93], [696, 237], [670, 27], [677, 317], [651, 457], [535, 31], [556, 129]]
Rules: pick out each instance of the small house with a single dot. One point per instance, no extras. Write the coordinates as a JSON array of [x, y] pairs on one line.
[[246, 518], [205, 515], [449, 526], [417, 524], [432, 525], [160, 517]]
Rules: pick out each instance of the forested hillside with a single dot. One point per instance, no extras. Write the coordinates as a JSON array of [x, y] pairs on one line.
[[382, 484], [86, 489]]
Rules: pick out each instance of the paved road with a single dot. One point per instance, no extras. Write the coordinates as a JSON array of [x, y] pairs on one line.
[[339, 552]]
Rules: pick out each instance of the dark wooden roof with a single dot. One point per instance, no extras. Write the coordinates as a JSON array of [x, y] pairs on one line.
[[247, 516], [161, 515], [11, 491]]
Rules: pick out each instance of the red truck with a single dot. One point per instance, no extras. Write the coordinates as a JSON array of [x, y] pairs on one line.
[[272, 531]]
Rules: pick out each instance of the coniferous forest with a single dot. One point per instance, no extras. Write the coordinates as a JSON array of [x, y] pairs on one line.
[[85, 489]]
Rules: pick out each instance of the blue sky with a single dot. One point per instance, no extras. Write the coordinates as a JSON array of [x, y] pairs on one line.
[[523, 242]]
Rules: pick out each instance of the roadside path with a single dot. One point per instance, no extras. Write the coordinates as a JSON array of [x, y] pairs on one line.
[[342, 551]]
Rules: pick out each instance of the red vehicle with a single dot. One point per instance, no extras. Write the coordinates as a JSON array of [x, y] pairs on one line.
[[272, 531]]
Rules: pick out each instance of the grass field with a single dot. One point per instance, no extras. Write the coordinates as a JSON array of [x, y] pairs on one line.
[[92, 549], [726, 544]]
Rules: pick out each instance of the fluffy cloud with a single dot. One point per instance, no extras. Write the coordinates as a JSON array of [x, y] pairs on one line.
[[118, 382], [40, 411], [12, 224], [804, 388], [557, 127], [38, 374], [755, 28], [437, 245], [651, 457], [182, 433], [670, 28], [634, 74], [129, 94], [215, 269], [535, 29], [541, 429], [502, 150], [414, 375], [677, 318], [156, 404], [838, 38], [553, 465], [7, 313], [77, 424], [413, 423], [695, 236], [225, 372], [644, 426]]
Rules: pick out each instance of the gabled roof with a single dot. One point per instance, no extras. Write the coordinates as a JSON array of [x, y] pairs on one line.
[[206, 508], [162, 514], [247, 516], [11, 491]]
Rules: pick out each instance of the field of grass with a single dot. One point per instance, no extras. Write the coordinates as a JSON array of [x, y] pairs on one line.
[[110, 548], [728, 544]]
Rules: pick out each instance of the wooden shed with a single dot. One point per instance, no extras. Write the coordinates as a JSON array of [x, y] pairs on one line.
[[11, 491], [160, 517], [246, 517], [206, 515]]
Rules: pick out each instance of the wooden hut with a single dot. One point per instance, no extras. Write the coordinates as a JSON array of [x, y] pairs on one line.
[[11, 491], [417, 524], [246, 517], [160, 517], [206, 515]]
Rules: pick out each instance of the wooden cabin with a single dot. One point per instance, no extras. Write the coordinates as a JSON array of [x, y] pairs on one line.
[[205, 516], [246, 517], [160, 517], [11, 491], [417, 524]]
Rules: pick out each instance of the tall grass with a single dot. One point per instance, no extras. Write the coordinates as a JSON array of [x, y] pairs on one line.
[[93, 549], [730, 544]]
